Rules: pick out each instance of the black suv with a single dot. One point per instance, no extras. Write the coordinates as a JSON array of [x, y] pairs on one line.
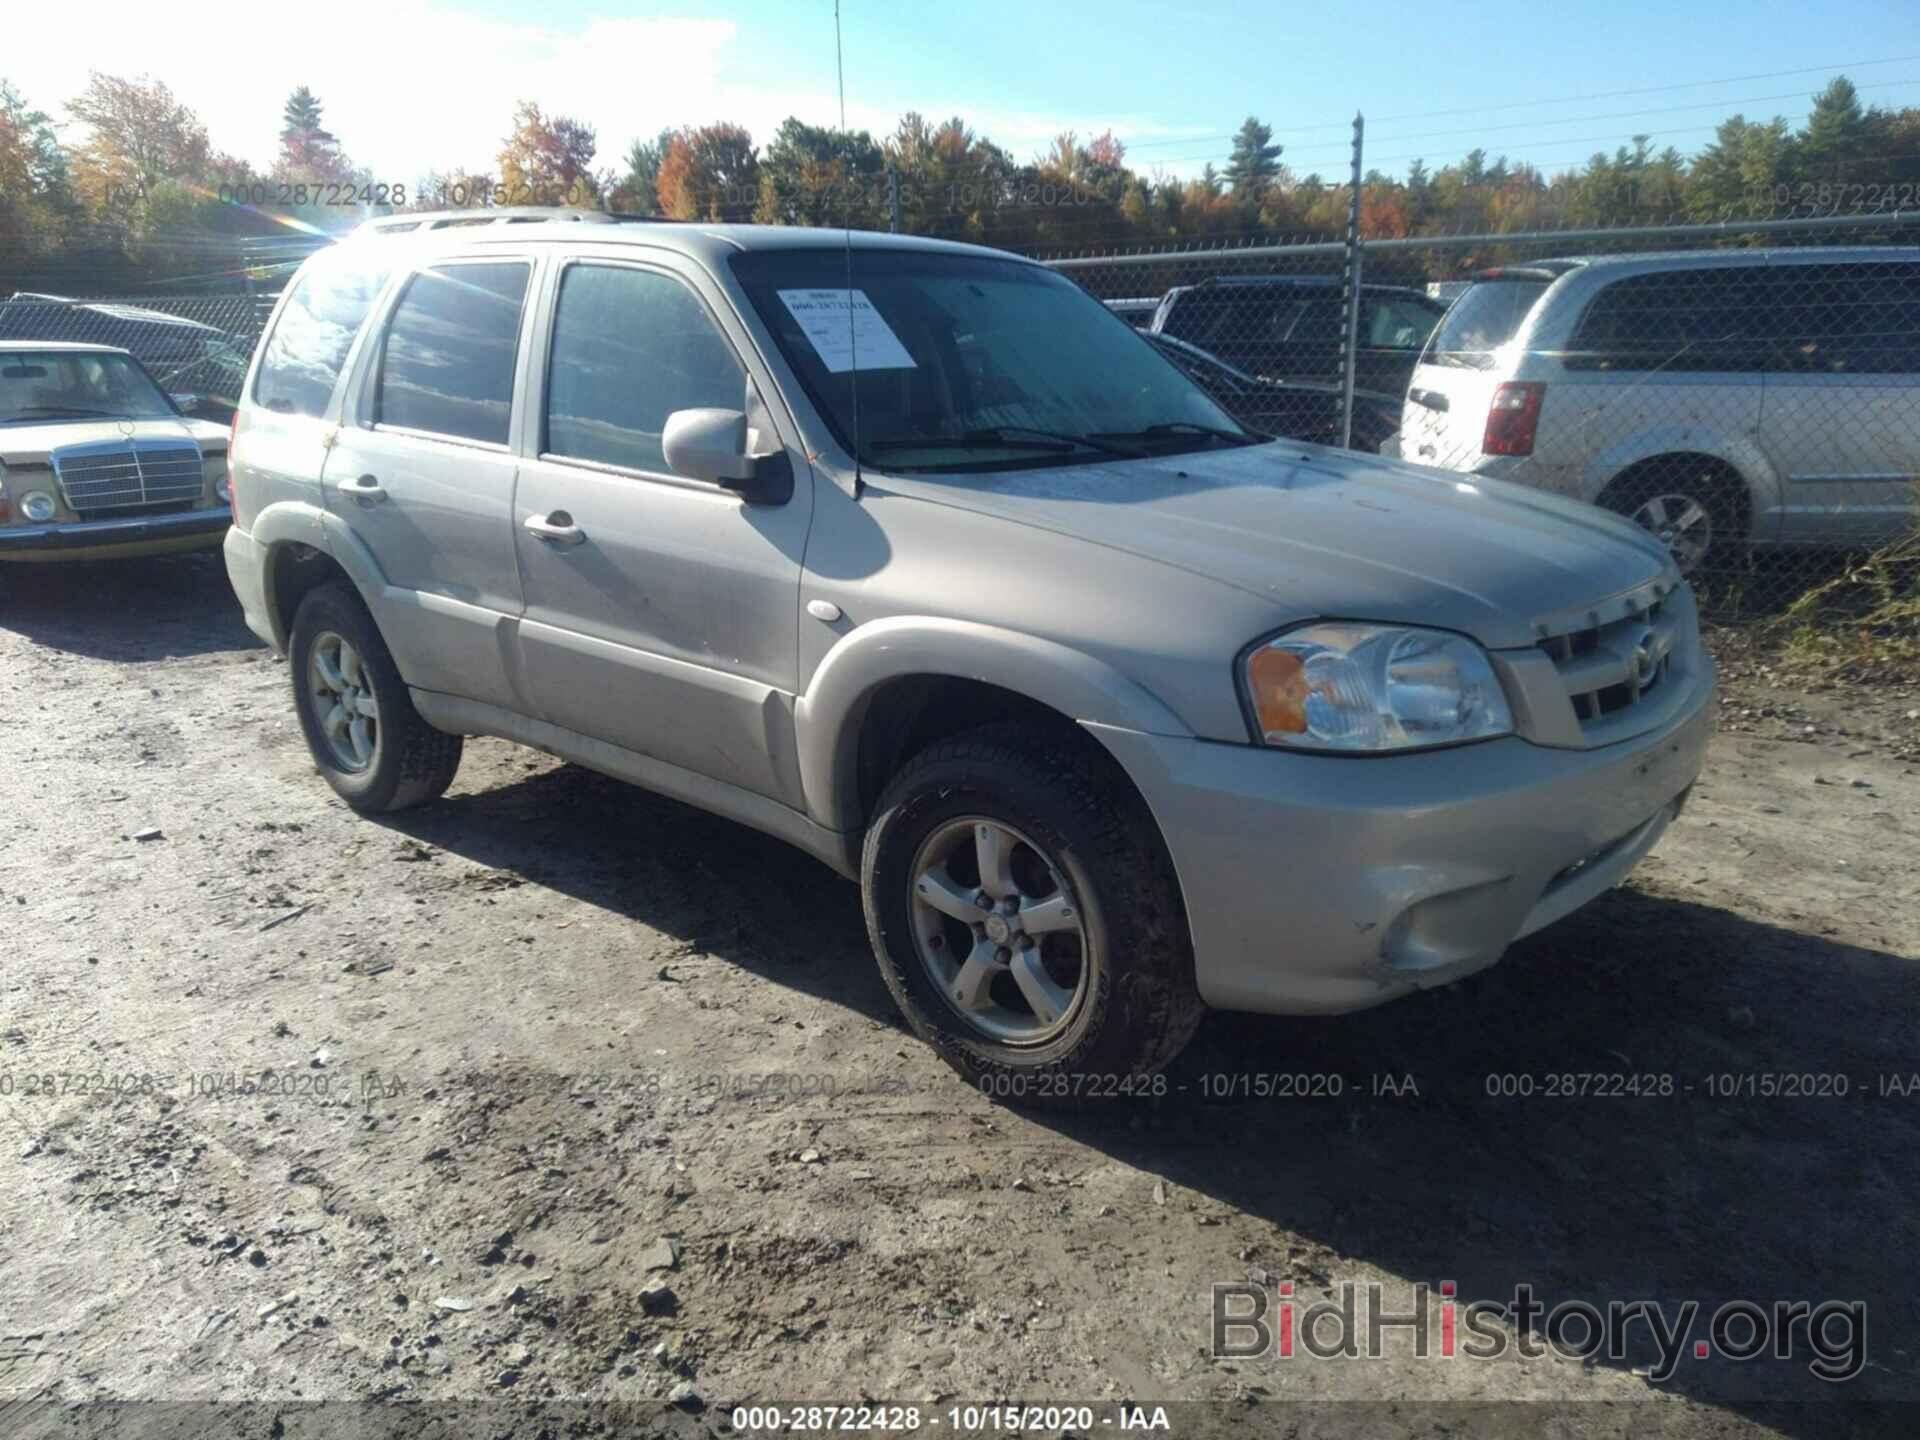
[[1288, 327]]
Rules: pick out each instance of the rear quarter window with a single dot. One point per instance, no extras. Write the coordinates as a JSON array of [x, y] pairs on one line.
[[302, 357]]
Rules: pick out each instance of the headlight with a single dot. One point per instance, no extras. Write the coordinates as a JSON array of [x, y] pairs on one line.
[[221, 491], [37, 505], [1373, 687]]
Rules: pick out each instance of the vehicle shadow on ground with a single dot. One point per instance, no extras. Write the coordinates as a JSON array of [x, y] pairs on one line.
[[1703, 1191], [1681, 1192], [725, 890], [129, 610]]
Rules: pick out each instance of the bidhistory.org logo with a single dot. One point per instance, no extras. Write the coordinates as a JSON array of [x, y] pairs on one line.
[[1249, 1323]]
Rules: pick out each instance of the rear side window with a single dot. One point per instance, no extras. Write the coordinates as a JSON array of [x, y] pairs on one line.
[[1483, 319], [1677, 320], [447, 362], [1861, 319], [630, 347], [1395, 323], [302, 357]]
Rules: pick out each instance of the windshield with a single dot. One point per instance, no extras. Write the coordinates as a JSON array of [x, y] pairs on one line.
[[1488, 315], [76, 385], [972, 363]]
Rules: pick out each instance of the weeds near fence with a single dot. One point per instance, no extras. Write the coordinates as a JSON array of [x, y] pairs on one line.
[[1863, 623]]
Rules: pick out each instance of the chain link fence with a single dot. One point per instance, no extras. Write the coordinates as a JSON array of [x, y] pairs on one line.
[[197, 348], [1750, 393]]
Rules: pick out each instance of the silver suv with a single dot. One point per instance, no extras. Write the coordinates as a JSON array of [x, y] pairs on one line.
[[914, 555], [1765, 396]]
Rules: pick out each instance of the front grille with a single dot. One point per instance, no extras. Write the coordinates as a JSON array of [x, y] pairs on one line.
[[1607, 668], [120, 477]]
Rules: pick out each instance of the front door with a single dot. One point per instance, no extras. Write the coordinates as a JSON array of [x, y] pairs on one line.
[[661, 612], [422, 473]]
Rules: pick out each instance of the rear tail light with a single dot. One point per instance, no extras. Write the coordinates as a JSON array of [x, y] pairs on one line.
[[1513, 417]]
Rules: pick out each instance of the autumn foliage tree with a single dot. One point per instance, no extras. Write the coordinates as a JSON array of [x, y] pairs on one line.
[[548, 160]]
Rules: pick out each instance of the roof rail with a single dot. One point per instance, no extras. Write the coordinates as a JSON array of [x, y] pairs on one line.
[[405, 221]]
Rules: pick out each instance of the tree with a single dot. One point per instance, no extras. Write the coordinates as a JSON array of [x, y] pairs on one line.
[[637, 191], [1837, 129], [812, 175], [711, 173], [139, 135], [308, 150], [1255, 161], [547, 160]]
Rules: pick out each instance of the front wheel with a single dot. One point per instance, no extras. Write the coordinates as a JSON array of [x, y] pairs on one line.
[[1026, 918], [365, 735]]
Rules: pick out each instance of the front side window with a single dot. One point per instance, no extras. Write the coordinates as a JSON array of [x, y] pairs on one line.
[[1395, 324], [302, 357], [630, 347], [40, 386], [447, 361], [932, 361]]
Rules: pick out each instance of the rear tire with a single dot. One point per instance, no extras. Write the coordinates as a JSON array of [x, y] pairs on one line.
[[1693, 506], [1108, 958], [366, 738]]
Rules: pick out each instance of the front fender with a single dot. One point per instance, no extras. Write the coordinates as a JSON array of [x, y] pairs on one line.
[[828, 717], [1737, 450]]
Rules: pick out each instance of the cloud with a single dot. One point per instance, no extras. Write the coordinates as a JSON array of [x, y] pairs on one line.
[[411, 85]]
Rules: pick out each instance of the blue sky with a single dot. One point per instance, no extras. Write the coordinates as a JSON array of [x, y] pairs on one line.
[[416, 84]]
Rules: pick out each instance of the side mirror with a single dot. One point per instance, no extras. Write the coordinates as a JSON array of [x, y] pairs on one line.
[[184, 403], [711, 445]]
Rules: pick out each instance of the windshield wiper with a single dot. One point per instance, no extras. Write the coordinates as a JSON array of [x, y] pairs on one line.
[[1174, 429], [1005, 437], [25, 410]]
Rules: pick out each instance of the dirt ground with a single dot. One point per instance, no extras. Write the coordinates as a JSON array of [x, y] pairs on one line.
[[299, 1107]]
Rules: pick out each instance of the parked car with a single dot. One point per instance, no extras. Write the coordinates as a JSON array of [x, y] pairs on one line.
[[201, 366], [1290, 408], [1137, 310], [97, 463], [1113, 710], [1768, 396], [1291, 327]]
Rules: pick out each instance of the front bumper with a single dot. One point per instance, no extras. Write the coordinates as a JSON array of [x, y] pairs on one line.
[[105, 539], [1319, 884]]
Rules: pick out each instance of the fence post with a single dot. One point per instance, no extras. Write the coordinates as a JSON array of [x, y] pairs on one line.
[[893, 200], [1350, 280]]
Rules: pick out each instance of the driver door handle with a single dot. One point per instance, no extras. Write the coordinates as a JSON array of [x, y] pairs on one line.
[[557, 528], [367, 487]]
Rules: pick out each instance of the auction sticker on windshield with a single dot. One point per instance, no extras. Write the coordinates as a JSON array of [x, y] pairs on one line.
[[846, 330]]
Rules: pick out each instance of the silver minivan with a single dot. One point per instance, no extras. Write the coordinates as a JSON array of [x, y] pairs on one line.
[[1766, 396], [915, 555]]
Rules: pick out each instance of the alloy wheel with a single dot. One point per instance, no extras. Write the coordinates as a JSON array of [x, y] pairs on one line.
[[998, 932], [343, 701]]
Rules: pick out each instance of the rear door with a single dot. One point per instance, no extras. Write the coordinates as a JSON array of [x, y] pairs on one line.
[[290, 420], [1453, 384], [1841, 413], [422, 473], [662, 612]]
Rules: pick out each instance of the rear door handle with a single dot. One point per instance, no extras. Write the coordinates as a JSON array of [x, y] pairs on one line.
[[367, 487], [557, 528]]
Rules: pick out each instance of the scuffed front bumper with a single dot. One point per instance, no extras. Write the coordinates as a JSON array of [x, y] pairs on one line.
[[112, 539], [1318, 884]]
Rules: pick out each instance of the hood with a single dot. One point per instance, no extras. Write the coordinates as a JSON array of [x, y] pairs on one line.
[[31, 444], [1332, 534]]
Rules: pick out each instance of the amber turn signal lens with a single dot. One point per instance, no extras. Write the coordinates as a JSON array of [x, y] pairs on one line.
[[1278, 681]]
